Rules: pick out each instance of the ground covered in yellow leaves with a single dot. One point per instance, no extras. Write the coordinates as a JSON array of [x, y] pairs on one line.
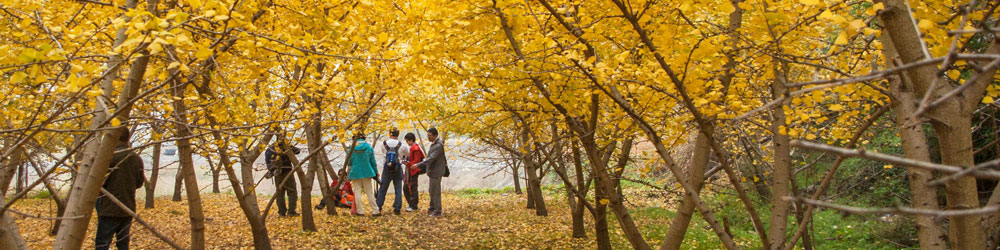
[[470, 221]]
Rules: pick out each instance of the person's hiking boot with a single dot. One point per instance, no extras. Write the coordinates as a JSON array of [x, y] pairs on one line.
[[377, 215], [435, 214], [320, 206], [293, 214], [396, 212], [410, 209], [281, 215], [358, 214]]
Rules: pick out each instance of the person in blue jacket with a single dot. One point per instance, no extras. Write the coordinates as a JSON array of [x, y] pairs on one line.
[[363, 168]]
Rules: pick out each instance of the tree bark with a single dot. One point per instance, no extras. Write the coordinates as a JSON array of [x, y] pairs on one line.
[[178, 182], [951, 120], [98, 153], [696, 176], [184, 154], [10, 236], [153, 176], [930, 234], [781, 177]]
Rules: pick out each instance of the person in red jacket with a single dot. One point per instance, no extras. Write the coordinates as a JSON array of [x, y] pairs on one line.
[[342, 198], [410, 178]]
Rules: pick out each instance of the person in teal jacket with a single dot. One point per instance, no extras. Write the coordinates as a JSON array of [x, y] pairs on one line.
[[363, 168]]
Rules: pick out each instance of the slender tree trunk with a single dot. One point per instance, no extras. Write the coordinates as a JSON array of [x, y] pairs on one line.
[[581, 187], [528, 187], [153, 176], [696, 175], [91, 174], [782, 172], [952, 122], [930, 234], [215, 175], [178, 182], [516, 170], [184, 152], [248, 204]]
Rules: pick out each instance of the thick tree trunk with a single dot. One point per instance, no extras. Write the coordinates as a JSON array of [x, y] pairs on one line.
[[696, 175], [99, 152], [10, 236], [930, 234], [153, 176], [952, 122]]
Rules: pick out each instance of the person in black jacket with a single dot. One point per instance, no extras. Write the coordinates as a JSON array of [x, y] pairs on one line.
[[125, 175], [278, 164]]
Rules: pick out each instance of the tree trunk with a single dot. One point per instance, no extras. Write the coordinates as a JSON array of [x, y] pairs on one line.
[[527, 188], [516, 170], [10, 236], [696, 176], [153, 176], [952, 122], [184, 152], [178, 183], [98, 153], [215, 175], [782, 172], [581, 187], [930, 234], [535, 199]]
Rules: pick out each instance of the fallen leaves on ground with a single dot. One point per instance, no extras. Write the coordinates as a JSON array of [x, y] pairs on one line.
[[479, 222]]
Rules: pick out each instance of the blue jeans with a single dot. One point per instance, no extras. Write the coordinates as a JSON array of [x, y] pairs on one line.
[[108, 226], [397, 184]]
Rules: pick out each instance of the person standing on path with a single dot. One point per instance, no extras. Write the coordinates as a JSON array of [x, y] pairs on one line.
[[392, 172], [124, 177], [436, 166], [410, 179], [363, 167], [278, 163]]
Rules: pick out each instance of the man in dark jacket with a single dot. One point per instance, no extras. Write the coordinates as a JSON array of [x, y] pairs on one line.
[[278, 164], [124, 177], [436, 165]]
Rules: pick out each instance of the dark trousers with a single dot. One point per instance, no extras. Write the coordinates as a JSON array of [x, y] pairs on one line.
[[410, 192], [435, 192], [108, 226], [287, 190], [397, 185]]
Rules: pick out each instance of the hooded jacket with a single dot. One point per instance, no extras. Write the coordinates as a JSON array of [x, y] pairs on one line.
[[362, 161]]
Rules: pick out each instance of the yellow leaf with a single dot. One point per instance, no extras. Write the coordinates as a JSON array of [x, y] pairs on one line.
[[604, 201], [727, 7], [203, 53], [841, 39], [925, 25], [18, 77], [809, 2], [887, 166], [115, 122], [836, 107], [987, 100]]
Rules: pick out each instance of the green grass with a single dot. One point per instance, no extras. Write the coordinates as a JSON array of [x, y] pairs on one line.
[[831, 230]]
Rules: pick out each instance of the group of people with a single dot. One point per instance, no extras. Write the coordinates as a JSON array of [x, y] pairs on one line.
[[403, 162]]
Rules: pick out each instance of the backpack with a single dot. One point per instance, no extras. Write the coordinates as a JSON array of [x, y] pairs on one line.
[[391, 157]]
